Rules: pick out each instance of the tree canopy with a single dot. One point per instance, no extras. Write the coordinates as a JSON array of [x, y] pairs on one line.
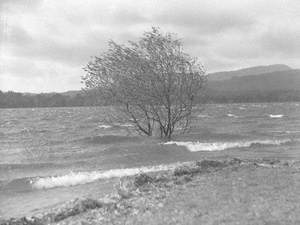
[[153, 81]]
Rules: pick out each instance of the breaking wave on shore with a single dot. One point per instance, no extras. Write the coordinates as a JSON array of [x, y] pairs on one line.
[[218, 146], [78, 178], [277, 116]]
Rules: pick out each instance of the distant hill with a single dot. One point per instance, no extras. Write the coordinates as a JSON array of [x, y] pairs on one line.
[[278, 86], [248, 71], [279, 80]]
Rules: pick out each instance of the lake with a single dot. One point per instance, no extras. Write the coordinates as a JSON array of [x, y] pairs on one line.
[[51, 155]]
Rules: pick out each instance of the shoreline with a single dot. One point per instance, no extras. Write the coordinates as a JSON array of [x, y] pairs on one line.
[[143, 196]]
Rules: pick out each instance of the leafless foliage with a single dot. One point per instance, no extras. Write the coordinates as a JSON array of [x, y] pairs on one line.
[[153, 81]]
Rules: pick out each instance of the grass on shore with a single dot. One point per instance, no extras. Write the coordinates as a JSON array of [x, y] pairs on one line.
[[211, 192]]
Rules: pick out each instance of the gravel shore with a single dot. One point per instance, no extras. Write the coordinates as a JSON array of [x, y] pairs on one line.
[[229, 191]]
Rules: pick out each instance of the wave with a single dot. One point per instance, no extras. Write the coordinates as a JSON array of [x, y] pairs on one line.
[[286, 131], [16, 185], [276, 116], [202, 116], [259, 105], [232, 115], [108, 139], [103, 126], [219, 146], [78, 178], [41, 165], [292, 131], [124, 125]]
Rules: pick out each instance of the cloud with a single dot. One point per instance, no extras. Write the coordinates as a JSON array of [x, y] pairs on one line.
[[38, 76], [204, 22], [284, 42], [25, 6], [18, 36], [46, 41], [128, 17], [18, 3], [47, 49]]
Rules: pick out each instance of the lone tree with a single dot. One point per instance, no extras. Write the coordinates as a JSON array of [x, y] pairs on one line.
[[152, 81]]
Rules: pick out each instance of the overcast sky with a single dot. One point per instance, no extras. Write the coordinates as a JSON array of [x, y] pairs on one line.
[[44, 44]]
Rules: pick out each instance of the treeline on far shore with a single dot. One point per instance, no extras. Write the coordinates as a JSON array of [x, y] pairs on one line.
[[24, 100], [82, 98]]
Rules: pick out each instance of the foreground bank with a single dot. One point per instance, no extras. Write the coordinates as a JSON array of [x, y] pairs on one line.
[[230, 191]]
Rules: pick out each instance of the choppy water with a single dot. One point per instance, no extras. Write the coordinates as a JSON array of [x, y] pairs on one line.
[[48, 155]]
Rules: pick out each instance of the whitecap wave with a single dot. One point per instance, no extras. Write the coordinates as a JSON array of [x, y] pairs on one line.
[[202, 116], [104, 126], [276, 116], [292, 131], [78, 178], [126, 125], [219, 146], [232, 115], [123, 125]]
